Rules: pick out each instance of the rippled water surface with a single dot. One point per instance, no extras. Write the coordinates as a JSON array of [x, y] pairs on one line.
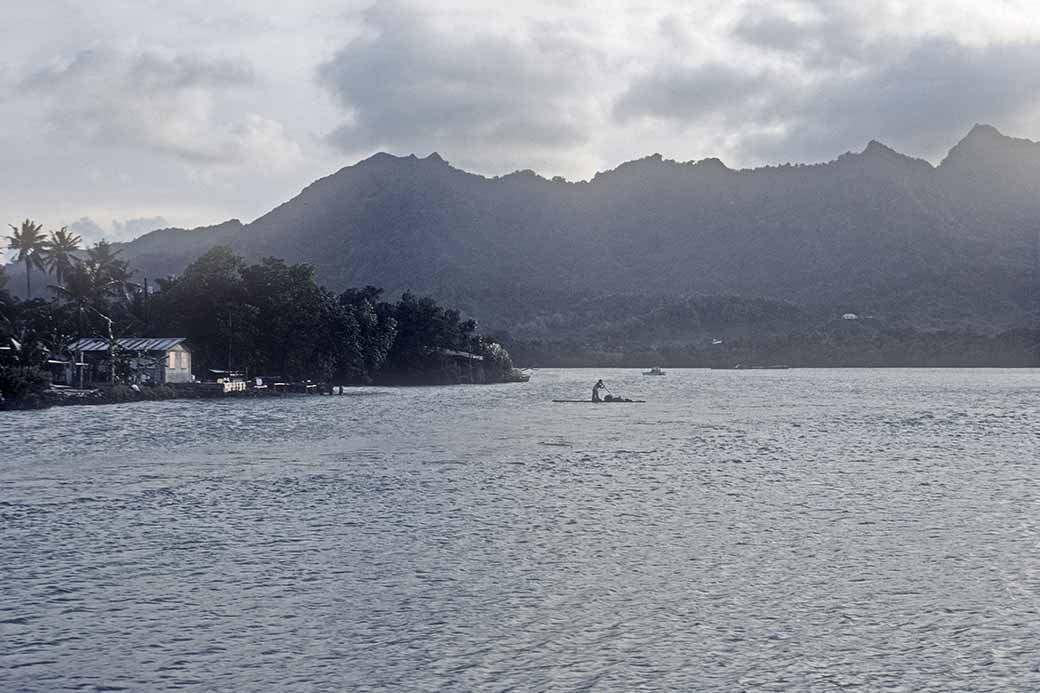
[[760, 530]]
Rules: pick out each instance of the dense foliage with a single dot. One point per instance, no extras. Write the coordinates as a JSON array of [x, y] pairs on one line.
[[724, 331], [896, 349], [272, 318]]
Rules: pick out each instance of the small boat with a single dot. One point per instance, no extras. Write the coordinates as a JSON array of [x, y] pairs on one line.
[[656, 370]]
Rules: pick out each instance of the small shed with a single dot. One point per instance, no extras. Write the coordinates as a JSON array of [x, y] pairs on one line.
[[148, 359]]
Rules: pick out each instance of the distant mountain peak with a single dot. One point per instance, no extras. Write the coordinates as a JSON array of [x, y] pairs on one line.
[[712, 163], [436, 158], [984, 143], [983, 130], [881, 157], [875, 147], [380, 156], [983, 136]]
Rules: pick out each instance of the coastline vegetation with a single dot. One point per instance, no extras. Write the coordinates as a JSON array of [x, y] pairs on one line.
[[269, 319]]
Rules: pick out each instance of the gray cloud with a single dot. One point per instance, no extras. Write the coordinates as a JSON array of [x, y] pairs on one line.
[[407, 83], [131, 228], [152, 69], [155, 98], [87, 229], [90, 231], [686, 93], [219, 108], [823, 85], [925, 97], [824, 39]]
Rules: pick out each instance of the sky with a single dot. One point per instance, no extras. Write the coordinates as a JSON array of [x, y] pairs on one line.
[[121, 116]]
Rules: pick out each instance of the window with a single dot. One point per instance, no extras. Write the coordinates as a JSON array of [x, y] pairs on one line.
[[169, 358]]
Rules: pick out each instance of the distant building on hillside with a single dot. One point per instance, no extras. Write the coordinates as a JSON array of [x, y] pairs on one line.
[[850, 316], [149, 360]]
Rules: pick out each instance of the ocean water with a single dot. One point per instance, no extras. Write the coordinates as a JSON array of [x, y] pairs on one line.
[[795, 530]]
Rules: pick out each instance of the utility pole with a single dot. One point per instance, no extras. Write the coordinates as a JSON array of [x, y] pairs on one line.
[[230, 337]]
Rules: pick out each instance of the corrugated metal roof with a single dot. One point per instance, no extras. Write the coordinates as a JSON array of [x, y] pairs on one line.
[[127, 343]]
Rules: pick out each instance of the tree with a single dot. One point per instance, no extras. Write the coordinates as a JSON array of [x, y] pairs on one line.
[[30, 243], [5, 298], [108, 268], [424, 331], [369, 328], [293, 311], [82, 292], [59, 253], [207, 304]]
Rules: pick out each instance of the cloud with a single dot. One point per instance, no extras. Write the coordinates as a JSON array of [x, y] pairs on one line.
[[91, 232], [152, 69], [818, 38], [219, 108], [923, 97], [686, 93], [407, 83], [811, 84], [88, 230], [157, 99], [132, 228]]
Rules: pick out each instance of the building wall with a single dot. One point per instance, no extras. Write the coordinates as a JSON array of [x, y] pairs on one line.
[[178, 365]]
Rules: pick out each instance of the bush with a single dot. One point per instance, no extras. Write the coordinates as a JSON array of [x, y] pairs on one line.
[[18, 383], [121, 393]]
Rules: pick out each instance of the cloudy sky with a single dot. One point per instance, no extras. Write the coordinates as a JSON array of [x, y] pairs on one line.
[[119, 116]]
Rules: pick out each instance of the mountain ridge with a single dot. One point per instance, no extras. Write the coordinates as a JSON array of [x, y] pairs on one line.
[[876, 230]]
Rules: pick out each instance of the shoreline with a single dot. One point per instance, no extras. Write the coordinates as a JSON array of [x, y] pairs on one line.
[[122, 394]]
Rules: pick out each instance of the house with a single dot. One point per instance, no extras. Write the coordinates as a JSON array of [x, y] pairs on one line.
[[154, 360]]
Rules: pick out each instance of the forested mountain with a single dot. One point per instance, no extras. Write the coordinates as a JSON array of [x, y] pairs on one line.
[[874, 232]]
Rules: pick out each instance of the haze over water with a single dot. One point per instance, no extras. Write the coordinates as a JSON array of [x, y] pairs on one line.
[[765, 530]]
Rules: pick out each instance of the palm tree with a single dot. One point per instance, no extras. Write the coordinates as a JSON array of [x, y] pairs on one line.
[[81, 288], [107, 267], [59, 253], [79, 292], [30, 244]]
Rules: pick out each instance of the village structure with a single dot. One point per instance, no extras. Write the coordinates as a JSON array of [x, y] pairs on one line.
[[145, 360], [93, 362]]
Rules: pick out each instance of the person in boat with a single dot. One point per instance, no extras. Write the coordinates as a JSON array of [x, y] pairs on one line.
[[595, 390]]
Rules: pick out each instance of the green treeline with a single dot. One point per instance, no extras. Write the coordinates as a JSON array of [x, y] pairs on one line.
[[272, 318], [895, 349], [265, 319], [724, 331]]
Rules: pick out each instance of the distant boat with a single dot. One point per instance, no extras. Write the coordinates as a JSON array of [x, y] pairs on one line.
[[656, 370]]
